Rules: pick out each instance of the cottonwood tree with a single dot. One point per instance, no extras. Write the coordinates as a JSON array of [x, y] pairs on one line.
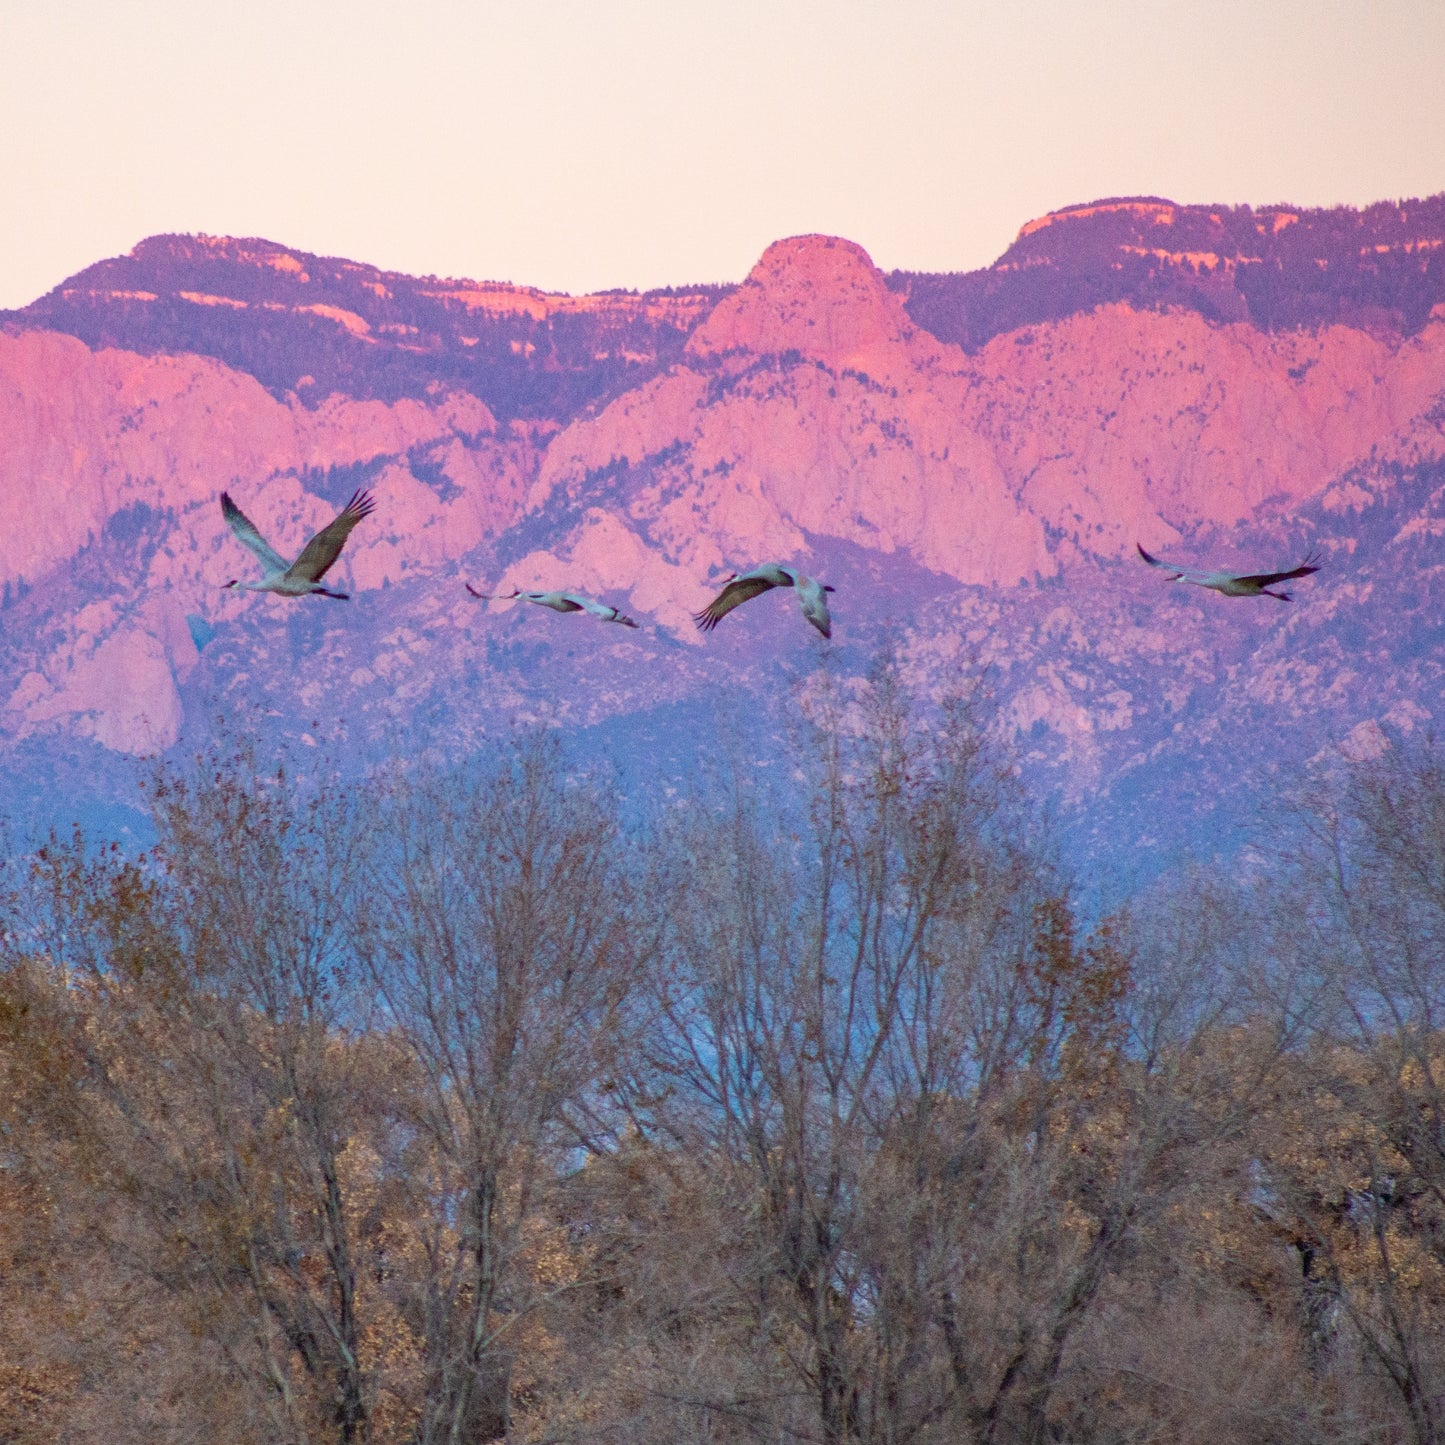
[[1194, 1333], [445, 1110], [500, 935], [826, 1002], [925, 1123], [1365, 1180], [202, 1057]]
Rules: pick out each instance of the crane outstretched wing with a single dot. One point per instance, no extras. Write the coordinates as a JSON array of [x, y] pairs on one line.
[[244, 531], [1159, 562], [599, 609], [739, 590], [1267, 579], [325, 547]]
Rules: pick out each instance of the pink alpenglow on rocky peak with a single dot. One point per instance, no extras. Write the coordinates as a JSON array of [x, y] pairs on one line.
[[981, 496], [808, 406], [87, 434], [822, 297]]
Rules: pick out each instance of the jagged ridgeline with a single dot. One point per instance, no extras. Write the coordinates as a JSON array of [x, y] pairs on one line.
[[318, 324], [315, 325], [1231, 388], [1275, 267]]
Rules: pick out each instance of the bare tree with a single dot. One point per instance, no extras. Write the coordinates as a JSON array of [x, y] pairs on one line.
[[207, 1018], [448, 1110], [832, 1006], [935, 1122], [1367, 893], [500, 935]]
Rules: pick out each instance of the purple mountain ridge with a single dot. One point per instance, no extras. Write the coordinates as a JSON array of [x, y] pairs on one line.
[[969, 460]]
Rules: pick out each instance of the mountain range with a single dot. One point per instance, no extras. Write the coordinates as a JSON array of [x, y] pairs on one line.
[[969, 459]]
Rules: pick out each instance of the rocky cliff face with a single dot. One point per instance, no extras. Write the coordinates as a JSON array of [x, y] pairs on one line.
[[315, 326], [980, 506], [1274, 267], [808, 406]]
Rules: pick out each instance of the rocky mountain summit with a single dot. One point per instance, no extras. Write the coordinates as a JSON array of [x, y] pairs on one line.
[[1274, 267], [968, 460], [320, 326]]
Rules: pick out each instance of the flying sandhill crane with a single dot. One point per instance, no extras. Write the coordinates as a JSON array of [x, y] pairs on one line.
[[1235, 584], [301, 578], [558, 602], [742, 586]]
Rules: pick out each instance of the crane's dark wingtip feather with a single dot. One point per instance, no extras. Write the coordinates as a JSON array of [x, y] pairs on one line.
[[705, 621], [362, 504]]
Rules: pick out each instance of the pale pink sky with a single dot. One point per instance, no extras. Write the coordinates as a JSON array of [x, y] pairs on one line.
[[580, 144]]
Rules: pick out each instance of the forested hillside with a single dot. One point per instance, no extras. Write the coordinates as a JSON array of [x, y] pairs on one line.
[[318, 325], [1279, 268]]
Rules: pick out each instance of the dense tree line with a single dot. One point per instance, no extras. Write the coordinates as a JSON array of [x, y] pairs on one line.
[[457, 1109]]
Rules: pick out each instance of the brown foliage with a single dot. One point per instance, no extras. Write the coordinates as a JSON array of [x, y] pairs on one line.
[[447, 1112]]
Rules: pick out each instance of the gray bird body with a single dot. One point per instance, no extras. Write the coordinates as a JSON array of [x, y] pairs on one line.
[[301, 578], [743, 586], [558, 602], [1234, 584]]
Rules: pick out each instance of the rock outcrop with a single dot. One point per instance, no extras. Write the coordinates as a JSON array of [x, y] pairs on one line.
[[981, 503]]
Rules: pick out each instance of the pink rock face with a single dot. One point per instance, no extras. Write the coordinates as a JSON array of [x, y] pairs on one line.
[[822, 297], [85, 435], [807, 410], [1127, 424], [808, 405], [119, 690]]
